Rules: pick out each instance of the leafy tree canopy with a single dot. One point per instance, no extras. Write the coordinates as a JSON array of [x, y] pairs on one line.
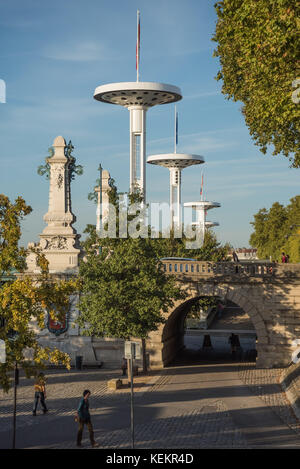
[[24, 301], [11, 214], [258, 48], [278, 230], [124, 288], [124, 291]]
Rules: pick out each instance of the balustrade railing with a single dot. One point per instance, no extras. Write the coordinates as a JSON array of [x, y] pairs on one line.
[[210, 269]]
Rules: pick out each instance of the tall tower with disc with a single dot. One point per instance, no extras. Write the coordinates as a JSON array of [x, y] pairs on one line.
[[137, 97], [175, 162], [201, 208]]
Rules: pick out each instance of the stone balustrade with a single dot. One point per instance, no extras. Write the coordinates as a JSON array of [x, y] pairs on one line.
[[189, 268]]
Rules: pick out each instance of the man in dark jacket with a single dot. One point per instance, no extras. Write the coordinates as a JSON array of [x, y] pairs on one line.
[[83, 417]]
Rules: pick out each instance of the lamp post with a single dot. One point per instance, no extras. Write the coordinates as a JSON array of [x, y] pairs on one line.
[[98, 226], [16, 382]]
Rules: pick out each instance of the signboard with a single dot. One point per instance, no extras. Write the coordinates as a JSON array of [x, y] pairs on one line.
[[2, 352], [132, 350]]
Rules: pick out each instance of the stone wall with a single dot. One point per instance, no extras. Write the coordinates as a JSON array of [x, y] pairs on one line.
[[269, 294], [272, 301], [290, 381]]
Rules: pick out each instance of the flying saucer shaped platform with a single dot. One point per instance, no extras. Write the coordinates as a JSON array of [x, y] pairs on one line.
[[208, 224], [175, 160], [137, 93], [202, 204]]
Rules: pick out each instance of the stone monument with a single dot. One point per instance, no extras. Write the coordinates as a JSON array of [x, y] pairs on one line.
[[102, 192], [59, 241]]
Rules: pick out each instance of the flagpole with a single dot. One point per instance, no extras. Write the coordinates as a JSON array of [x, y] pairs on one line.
[[138, 45], [175, 143]]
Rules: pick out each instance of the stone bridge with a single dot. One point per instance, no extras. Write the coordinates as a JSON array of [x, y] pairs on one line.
[[268, 292]]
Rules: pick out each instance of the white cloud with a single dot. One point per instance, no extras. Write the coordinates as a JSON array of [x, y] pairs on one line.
[[80, 52]]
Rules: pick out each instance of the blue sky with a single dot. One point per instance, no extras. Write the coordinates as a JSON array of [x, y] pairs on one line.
[[54, 54]]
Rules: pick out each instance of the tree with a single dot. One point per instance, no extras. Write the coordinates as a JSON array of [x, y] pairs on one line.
[[11, 214], [24, 300], [277, 230], [258, 48], [125, 291], [211, 250]]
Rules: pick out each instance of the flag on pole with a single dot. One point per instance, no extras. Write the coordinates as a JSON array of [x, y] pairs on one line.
[[138, 44]]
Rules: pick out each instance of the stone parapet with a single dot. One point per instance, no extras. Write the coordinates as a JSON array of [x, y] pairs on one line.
[[242, 271], [290, 381]]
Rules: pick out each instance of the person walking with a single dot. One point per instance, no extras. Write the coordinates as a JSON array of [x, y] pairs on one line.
[[235, 257], [234, 344], [283, 258], [220, 309], [124, 366], [40, 393], [83, 417]]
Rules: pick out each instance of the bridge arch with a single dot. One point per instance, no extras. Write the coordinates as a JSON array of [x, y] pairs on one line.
[[169, 338]]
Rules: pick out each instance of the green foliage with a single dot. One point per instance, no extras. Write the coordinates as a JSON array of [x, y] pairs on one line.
[[277, 230], [203, 303], [11, 214], [24, 301], [170, 246], [258, 49], [124, 291], [211, 250]]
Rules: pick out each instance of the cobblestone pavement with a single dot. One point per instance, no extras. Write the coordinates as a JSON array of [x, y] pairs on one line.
[[180, 407], [265, 383], [64, 390], [199, 428]]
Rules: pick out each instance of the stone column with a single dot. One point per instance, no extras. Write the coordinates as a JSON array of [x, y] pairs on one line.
[[59, 240], [103, 199]]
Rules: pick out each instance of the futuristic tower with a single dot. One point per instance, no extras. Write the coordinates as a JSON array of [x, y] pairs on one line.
[[137, 97], [201, 209], [175, 162]]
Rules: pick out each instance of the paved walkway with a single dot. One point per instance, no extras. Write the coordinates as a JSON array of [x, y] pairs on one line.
[[197, 406]]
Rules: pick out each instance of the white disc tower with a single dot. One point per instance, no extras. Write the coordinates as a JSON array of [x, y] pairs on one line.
[[175, 162], [137, 97], [201, 208]]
